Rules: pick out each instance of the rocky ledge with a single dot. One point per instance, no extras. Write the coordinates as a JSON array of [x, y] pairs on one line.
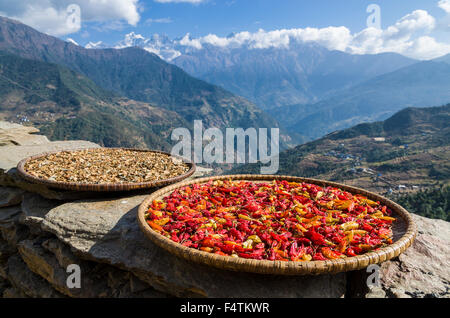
[[44, 231]]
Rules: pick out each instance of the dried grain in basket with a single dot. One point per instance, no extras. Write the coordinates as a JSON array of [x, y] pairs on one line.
[[101, 187]]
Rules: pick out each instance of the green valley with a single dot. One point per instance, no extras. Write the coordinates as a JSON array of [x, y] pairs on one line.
[[67, 105], [407, 153]]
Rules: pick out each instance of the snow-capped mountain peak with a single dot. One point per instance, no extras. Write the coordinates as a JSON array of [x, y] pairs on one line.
[[132, 39], [70, 40], [158, 44], [96, 45]]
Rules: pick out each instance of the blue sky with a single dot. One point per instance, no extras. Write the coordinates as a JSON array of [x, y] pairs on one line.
[[222, 17], [109, 20]]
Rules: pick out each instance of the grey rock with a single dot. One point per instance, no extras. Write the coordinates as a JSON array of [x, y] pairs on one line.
[[398, 292], [97, 280], [6, 251], [12, 179], [9, 126], [26, 282], [16, 138], [61, 251], [34, 207], [4, 284], [10, 196], [106, 231], [12, 134], [8, 214], [376, 292], [423, 270], [12, 292], [10, 230], [45, 264]]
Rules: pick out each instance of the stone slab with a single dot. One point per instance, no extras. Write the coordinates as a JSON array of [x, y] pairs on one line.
[[106, 231]]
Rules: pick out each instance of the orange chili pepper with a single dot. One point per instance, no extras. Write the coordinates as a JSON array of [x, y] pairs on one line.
[[155, 226]]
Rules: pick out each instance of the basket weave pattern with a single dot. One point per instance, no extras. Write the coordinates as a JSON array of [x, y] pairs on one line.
[[281, 267], [101, 187]]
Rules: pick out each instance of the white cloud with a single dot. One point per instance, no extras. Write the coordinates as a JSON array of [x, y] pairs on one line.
[[333, 38], [408, 36], [51, 16], [428, 47], [418, 20], [103, 10], [444, 5], [187, 41], [48, 19]]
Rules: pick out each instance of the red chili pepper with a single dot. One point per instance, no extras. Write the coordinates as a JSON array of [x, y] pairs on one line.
[[303, 240], [251, 206], [237, 234], [316, 238], [187, 243], [270, 220], [350, 252], [208, 242], [174, 237], [319, 257]]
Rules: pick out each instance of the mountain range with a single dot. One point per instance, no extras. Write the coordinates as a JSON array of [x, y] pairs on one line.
[[302, 72], [136, 75], [308, 89], [275, 77], [408, 151], [305, 89], [420, 84], [68, 105]]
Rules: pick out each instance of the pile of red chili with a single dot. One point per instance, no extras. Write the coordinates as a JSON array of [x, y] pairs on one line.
[[276, 220]]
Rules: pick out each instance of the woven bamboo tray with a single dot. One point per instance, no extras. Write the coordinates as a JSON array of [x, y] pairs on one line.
[[101, 187], [404, 233]]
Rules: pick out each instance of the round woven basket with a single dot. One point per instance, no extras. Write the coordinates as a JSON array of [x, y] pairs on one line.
[[404, 233], [102, 187]]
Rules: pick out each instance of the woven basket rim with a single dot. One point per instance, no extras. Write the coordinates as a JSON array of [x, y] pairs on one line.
[[280, 267], [103, 187]]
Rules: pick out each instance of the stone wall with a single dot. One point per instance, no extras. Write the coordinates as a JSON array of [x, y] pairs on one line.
[[44, 230]]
